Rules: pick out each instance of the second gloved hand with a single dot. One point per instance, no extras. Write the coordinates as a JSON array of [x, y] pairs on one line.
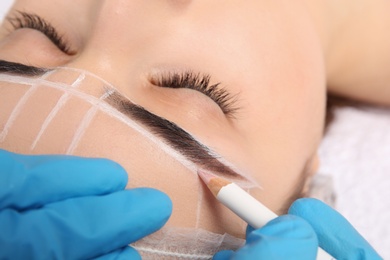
[[286, 237], [295, 236], [335, 234], [63, 207]]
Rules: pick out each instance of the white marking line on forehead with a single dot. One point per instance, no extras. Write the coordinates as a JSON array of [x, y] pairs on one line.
[[18, 108], [84, 124], [61, 102], [111, 111]]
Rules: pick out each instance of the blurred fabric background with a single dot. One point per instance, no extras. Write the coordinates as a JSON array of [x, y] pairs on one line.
[[4, 6]]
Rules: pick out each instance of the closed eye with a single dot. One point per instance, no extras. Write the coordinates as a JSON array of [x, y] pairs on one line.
[[199, 82], [32, 21]]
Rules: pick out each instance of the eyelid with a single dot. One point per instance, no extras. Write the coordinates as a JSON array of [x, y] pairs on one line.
[[199, 82], [32, 21]]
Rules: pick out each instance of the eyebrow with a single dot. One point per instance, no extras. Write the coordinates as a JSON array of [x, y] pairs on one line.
[[171, 133], [20, 69]]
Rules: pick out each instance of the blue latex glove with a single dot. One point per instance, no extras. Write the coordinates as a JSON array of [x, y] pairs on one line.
[[294, 236], [285, 237], [63, 207], [335, 234]]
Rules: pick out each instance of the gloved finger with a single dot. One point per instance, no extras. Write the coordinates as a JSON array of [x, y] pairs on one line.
[[281, 238], [84, 227], [124, 253], [223, 255], [33, 181], [335, 234]]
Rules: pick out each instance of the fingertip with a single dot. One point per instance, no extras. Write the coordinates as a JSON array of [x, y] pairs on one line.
[[166, 201], [159, 199], [152, 205], [115, 170], [143, 211]]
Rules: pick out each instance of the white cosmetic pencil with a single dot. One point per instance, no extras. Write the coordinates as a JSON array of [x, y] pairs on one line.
[[244, 205]]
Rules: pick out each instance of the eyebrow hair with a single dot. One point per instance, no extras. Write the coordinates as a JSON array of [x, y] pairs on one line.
[[20, 69], [173, 135]]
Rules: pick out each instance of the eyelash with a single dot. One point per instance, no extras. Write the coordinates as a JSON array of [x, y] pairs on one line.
[[201, 83], [32, 21]]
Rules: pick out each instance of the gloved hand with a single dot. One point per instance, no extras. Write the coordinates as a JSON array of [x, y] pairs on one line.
[[335, 234], [66, 207], [294, 236], [285, 237]]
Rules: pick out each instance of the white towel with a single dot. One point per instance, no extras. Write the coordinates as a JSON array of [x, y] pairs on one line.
[[4, 7], [356, 153]]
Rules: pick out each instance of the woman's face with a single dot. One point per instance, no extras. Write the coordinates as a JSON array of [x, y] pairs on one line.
[[265, 55]]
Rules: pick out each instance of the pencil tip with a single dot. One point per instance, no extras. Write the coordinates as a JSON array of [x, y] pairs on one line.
[[205, 176]]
